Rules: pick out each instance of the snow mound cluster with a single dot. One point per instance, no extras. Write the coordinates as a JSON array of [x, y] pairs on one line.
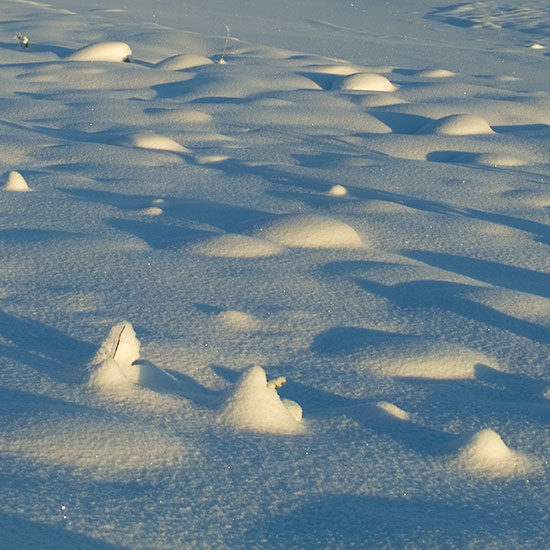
[[16, 182], [312, 231], [114, 52], [364, 82], [254, 405], [487, 454]]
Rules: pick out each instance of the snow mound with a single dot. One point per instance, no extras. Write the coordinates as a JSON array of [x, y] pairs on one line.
[[183, 61], [209, 159], [394, 410], [116, 365], [457, 125], [16, 182], [103, 51], [311, 231], [254, 405], [338, 191], [437, 73], [238, 320], [115, 357], [237, 246], [487, 454], [364, 82], [427, 360], [156, 142], [151, 211]]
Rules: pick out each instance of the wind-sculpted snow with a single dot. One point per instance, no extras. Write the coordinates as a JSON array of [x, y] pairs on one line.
[[354, 196]]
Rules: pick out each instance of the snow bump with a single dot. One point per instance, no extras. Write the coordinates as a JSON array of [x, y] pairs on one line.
[[457, 125], [312, 231], [364, 82], [254, 405], [487, 454], [114, 52], [16, 182]]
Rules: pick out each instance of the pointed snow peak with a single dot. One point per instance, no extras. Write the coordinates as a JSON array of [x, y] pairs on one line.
[[255, 405], [16, 182]]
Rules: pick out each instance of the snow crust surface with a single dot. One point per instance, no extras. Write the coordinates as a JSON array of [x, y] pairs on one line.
[[354, 202]]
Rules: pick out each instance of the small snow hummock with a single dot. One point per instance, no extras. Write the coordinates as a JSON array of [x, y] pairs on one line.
[[338, 191], [115, 356], [114, 52], [364, 82], [255, 405], [183, 61], [16, 182], [487, 454], [457, 125], [116, 364], [393, 410], [312, 231], [237, 246], [153, 141]]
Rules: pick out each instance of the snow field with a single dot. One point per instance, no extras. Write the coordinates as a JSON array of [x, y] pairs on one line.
[[373, 230]]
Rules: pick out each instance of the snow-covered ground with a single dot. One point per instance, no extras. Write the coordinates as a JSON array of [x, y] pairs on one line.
[[285, 285]]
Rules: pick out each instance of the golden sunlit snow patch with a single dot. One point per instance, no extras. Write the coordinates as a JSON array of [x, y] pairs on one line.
[[103, 51], [311, 231], [488, 455], [364, 82], [457, 125]]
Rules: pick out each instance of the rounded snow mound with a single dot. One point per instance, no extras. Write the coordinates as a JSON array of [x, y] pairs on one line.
[[103, 51], [364, 82], [311, 231], [394, 410], [254, 405], [429, 360], [156, 142], [183, 61], [338, 191], [16, 182], [151, 211], [237, 246], [437, 73], [457, 125], [487, 454]]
